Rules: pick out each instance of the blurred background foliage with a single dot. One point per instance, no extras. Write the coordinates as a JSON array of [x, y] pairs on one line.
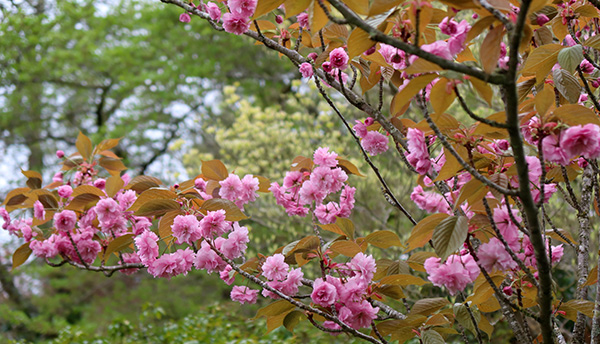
[[177, 95]]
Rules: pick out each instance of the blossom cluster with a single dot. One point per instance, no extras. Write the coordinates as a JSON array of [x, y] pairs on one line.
[[303, 190], [372, 141]]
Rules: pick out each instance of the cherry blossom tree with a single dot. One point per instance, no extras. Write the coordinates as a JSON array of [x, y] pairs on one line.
[[489, 178]]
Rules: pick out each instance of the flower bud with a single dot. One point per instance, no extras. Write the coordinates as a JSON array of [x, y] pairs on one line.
[[60, 154]]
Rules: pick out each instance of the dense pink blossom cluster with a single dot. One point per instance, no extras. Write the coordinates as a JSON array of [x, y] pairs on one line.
[[418, 155], [454, 274], [303, 190], [372, 141]]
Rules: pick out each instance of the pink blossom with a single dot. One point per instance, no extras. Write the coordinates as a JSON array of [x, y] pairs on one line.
[[58, 177], [214, 224], [303, 20], [375, 143], [419, 155], [541, 19], [250, 186], [506, 227], [324, 294], [553, 152], [325, 158], [493, 256], [186, 229], [107, 209], [294, 279], [65, 220], [147, 247], [185, 17], [65, 191], [557, 253], [346, 201], [88, 249], [448, 26], [581, 140], [235, 245], [454, 274], [360, 129], [338, 58], [275, 268], [60, 154], [457, 38], [358, 314], [44, 248], [208, 259], [364, 265], [213, 11], [230, 187], [126, 199], [327, 213], [100, 183], [439, 48], [429, 201], [5, 218], [130, 258], [172, 264], [311, 192], [38, 210], [226, 275], [140, 225], [306, 70], [244, 8], [244, 295], [353, 290], [235, 24]]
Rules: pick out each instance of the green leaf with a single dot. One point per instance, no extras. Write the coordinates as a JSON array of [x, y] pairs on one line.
[[349, 167], [461, 313], [346, 248], [34, 179], [423, 231], [152, 194], [567, 85], [292, 319], [118, 244], [449, 235], [142, 183], [265, 6], [384, 239], [21, 255], [570, 57], [432, 337], [113, 185], [232, 212]]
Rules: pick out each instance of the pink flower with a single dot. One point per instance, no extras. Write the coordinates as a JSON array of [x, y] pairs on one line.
[[429, 201], [173, 264], [244, 295], [226, 275], [311, 192], [147, 247], [140, 225], [306, 70], [213, 11], [375, 143], [200, 184], [244, 8], [235, 24], [100, 183], [275, 268], [214, 224], [235, 245], [44, 248], [58, 177], [324, 294], [107, 209], [186, 229], [358, 314], [65, 220], [38, 210], [506, 227], [364, 265], [208, 259], [130, 258], [303, 20], [353, 290], [541, 19], [557, 253], [448, 26], [493, 256], [87, 248], [325, 158], [457, 40], [327, 213], [338, 58], [454, 274], [360, 129], [65, 191], [60, 154], [126, 199], [185, 17], [581, 140], [553, 152], [419, 155]]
